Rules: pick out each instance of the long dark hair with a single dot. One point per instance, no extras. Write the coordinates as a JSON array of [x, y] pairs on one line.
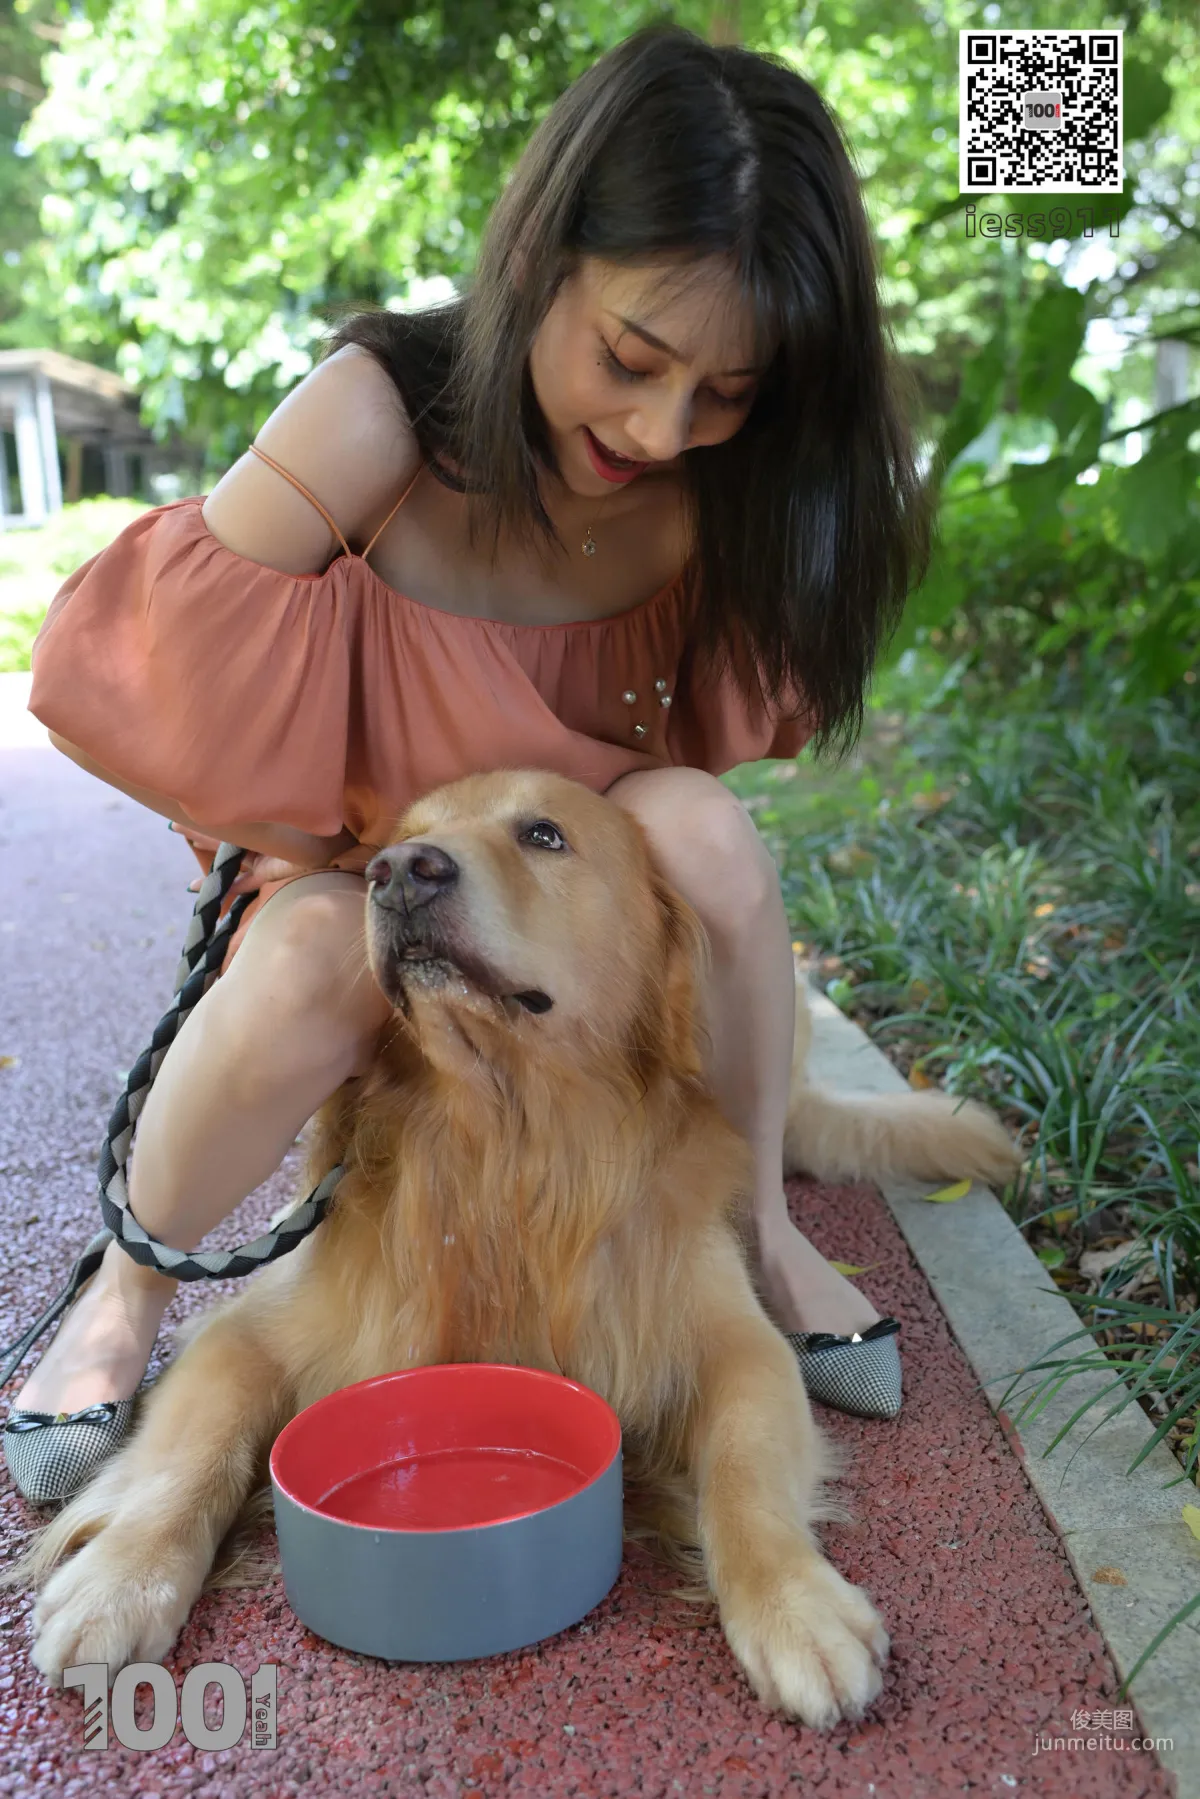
[[810, 525]]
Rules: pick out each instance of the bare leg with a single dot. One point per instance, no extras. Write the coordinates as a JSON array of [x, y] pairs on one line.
[[751, 1015], [749, 1007], [266, 1046]]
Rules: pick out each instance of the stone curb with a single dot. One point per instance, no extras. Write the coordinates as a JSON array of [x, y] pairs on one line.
[[996, 1298]]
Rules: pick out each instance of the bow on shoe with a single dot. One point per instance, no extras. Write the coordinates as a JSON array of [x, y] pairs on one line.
[[100, 1413]]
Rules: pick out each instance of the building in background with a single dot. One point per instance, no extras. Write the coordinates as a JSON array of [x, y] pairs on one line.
[[69, 430]]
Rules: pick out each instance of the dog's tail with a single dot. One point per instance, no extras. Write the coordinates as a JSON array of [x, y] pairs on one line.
[[875, 1136], [917, 1136]]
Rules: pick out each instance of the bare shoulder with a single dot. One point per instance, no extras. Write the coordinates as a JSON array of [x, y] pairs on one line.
[[344, 434]]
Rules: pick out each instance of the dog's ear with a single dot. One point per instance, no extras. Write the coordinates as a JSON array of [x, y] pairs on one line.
[[681, 987]]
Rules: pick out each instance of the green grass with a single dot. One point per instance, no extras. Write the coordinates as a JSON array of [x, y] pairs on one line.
[[1003, 890]]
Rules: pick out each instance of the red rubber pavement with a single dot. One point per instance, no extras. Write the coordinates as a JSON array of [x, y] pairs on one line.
[[993, 1646]]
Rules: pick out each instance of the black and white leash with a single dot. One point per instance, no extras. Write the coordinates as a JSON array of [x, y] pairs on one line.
[[203, 953]]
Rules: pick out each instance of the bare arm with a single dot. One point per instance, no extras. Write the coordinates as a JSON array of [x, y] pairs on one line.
[[343, 432]]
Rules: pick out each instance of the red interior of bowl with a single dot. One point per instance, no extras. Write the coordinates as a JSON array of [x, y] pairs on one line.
[[450, 1447]]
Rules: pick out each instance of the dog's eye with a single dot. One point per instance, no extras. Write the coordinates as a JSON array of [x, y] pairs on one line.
[[544, 824]]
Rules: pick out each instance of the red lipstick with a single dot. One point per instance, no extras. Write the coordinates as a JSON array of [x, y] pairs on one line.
[[604, 464]]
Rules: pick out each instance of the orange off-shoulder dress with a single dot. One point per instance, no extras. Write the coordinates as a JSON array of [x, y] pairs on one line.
[[330, 700]]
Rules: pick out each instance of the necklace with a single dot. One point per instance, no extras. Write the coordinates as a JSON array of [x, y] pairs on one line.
[[588, 546], [629, 696]]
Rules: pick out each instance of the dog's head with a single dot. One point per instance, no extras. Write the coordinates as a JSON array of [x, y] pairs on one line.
[[520, 903]]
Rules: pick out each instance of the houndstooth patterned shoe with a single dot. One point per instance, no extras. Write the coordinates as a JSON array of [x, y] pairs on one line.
[[52, 1455], [859, 1374]]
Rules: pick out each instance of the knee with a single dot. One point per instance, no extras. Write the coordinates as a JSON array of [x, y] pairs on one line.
[[703, 841], [312, 961], [316, 921]]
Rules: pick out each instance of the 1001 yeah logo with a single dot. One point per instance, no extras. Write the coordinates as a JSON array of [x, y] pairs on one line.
[[1043, 112], [100, 1710]]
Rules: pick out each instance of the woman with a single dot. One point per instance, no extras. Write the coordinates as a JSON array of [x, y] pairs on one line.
[[672, 340]]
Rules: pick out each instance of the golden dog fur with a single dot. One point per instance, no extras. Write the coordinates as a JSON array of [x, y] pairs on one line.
[[557, 1189]]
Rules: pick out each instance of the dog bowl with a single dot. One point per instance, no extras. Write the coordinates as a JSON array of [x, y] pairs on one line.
[[444, 1513]]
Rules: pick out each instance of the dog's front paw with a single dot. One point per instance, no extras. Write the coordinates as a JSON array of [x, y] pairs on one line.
[[811, 1644], [107, 1604]]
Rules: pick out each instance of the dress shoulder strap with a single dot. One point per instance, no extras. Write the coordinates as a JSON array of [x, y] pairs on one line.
[[300, 487], [395, 509]]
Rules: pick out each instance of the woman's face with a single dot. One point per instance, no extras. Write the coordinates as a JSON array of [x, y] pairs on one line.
[[693, 387]]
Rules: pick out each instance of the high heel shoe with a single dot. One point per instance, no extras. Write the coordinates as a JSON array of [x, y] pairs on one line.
[[51, 1456], [859, 1374]]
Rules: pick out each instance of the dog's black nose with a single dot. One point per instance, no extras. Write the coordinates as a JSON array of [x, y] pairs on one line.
[[411, 874]]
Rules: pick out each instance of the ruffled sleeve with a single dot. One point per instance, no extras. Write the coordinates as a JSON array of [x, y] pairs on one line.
[[184, 668], [717, 726]]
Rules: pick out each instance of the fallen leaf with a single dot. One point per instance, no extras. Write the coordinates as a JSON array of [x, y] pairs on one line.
[[1109, 1577], [931, 802], [1043, 911], [10, 1061], [945, 1194], [849, 1268], [919, 1079], [1099, 1261], [850, 859], [1191, 1517], [1145, 1276]]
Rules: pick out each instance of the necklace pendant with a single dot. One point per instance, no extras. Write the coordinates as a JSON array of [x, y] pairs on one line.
[[589, 548]]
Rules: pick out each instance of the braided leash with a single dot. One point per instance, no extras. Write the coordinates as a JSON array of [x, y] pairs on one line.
[[203, 953]]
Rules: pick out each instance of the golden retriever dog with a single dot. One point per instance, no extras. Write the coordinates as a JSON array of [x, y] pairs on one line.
[[536, 1173]]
